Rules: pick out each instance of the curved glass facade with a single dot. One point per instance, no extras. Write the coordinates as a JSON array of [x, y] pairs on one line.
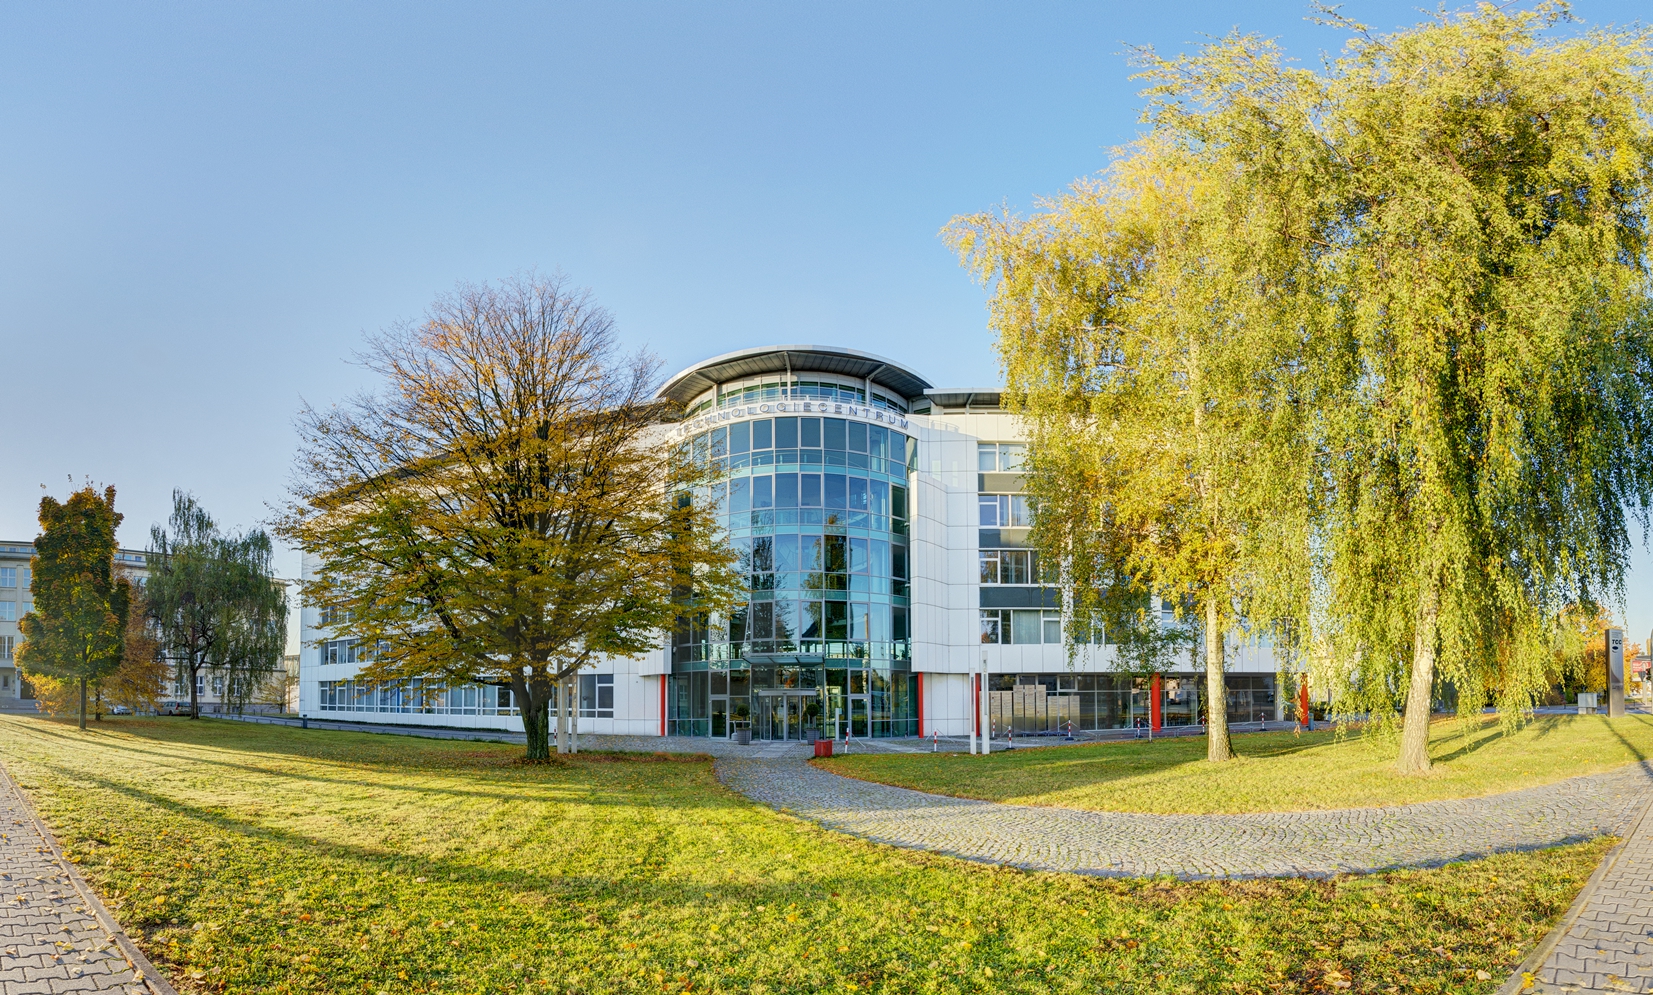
[[825, 388], [817, 509]]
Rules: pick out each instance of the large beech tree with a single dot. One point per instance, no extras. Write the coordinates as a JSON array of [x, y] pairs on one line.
[[505, 510], [76, 632]]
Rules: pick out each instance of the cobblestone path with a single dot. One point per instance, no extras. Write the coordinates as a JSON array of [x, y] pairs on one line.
[[1199, 846], [1607, 941], [54, 937]]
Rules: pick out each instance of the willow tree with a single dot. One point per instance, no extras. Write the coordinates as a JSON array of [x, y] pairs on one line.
[[216, 604], [505, 510], [1491, 259], [1153, 325]]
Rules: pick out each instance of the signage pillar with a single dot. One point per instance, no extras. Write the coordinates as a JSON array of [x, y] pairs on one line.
[[1615, 673], [986, 714]]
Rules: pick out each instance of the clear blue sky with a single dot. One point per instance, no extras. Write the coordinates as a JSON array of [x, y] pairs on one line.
[[205, 205]]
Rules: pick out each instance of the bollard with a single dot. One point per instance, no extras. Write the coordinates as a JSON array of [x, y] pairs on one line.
[[935, 741]]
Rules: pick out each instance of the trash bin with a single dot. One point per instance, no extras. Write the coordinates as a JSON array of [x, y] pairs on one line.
[[823, 747]]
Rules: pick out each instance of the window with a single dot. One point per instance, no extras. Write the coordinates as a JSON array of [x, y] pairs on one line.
[[331, 615], [597, 696], [7, 644], [338, 651], [1009, 566], [8, 611], [1005, 511], [1021, 627], [1000, 457], [8, 576]]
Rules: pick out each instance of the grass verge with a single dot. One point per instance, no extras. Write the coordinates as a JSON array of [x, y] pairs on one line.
[[266, 859], [1274, 772]]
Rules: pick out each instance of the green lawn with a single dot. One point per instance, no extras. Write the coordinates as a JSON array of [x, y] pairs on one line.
[[264, 859], [1275, 771]]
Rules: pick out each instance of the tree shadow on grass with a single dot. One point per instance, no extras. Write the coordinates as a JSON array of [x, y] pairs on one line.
[[1628, 745], [557, 893], [1481, 735], [518, 783]]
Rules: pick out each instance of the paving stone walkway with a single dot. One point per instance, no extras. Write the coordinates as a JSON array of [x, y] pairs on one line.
[[55, 937], [1606, 942], [1271, 844]]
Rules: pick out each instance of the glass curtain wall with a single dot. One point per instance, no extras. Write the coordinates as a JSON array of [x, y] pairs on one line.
[[1038, 704], [818, 511]]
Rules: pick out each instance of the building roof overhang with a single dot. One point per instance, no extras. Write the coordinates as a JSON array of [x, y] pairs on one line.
[[966, 398], [703, 376]]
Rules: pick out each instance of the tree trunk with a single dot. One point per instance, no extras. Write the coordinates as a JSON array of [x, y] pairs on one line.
[[194, 701], [1217, 747], [533, 700], [83, 701], [1414, 734]]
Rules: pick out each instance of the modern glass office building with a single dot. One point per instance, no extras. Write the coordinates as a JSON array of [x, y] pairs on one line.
[[883, 531], [813, 477]]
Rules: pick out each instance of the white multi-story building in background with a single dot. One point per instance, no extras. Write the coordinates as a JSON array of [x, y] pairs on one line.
[[886, 533], [16, 601]]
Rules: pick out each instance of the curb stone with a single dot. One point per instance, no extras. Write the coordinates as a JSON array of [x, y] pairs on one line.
[[153, 979], [1525, 974]]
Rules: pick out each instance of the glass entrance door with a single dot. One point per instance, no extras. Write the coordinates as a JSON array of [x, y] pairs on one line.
[[786, 714], [794, 716], [771, 716]]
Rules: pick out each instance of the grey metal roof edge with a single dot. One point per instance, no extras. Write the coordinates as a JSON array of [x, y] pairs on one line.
[[683, 386], [964, 396]]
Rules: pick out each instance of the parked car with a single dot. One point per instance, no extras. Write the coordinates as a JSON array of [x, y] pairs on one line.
[[119, 710]]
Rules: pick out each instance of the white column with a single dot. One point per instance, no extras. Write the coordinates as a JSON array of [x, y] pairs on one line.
[[574, 714], [971, 711], [987, 734]]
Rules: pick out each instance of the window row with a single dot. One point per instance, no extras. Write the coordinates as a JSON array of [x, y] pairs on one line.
[[180, 689], [790, 621], [1046, 703], [1005, 511], [808, 389], [841, 434], [1021, 626], [1000, 457], [414, 697], [348, 651], [822, 553], [814, 490], [595, 699], [1029, 626], [1010, 566]]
